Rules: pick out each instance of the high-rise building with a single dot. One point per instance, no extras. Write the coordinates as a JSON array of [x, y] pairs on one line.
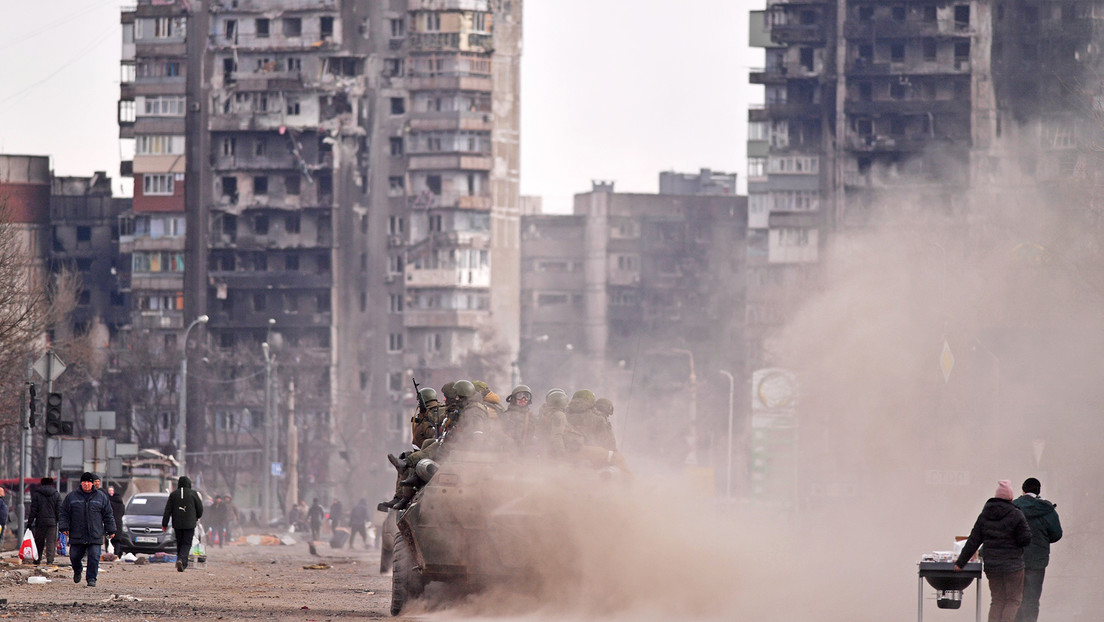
[[350, 191], [873, 107], [633, 296]]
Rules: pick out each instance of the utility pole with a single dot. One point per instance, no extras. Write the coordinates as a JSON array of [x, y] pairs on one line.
[[266, 447], [292, 472]]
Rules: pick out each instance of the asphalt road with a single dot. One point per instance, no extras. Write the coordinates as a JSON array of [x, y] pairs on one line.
[[238, 582]]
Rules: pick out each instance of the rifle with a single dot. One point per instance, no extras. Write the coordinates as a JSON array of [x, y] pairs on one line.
[[418, 392]]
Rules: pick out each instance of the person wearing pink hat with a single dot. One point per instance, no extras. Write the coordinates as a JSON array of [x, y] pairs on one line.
[[1004, 531]]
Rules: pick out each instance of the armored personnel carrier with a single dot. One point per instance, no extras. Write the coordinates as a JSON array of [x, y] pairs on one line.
[[478, 522]]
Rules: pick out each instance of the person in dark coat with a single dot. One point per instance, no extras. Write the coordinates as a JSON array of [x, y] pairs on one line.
[[337, 511], [358, 517], [1046, 529], [314, 516], [118, 508], [85, 517], [184, 508], [3, 515], [1002, 528], [42, 519]]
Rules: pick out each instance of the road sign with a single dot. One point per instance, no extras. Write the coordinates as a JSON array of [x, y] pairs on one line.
[[277, 469], [95, 420], [49, 366]]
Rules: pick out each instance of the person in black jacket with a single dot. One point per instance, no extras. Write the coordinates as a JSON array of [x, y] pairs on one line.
[[118, 508], [42, 519], [3, 515], [1002, 528], [85, 517], [185, 508], [1046, 529]]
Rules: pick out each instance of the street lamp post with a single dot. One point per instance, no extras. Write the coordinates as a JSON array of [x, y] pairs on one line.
[[269, 414], [182, 418], [731, 397]]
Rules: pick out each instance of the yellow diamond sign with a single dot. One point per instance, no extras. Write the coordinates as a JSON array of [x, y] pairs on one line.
[[946, 361]]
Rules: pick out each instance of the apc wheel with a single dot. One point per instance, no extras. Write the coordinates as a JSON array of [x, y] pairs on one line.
[[406, 581], [387, 542]]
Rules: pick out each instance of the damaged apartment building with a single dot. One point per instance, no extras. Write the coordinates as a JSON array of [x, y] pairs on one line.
[[349, 183], [868, 102]]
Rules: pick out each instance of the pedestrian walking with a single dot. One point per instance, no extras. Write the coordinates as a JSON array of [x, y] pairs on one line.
[[314, 516], [1002, 528], [358, 516], [3, 515], [118, 509], [230, 519], [42, 519], [184, 508], [216, 516], [85, 518], [1046, 529], [337, 512]]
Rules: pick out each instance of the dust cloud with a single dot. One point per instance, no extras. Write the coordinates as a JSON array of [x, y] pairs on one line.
[[1010, 281]]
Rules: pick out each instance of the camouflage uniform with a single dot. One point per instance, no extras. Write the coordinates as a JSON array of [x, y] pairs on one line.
[[425, 423], [553, 435], [583, 416], [518, 422]]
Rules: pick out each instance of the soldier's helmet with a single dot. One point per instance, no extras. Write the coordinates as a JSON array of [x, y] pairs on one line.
[[603, 406], [429, 394], [585, 395], [481, 387], [520, 391], [557, 398], [449, 390], [464, 389]]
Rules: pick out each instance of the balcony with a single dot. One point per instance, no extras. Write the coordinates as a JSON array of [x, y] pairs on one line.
[[451, 162], [797, 33], [443, 318], [473, 82], [887, 144], [907, 106], [792, 109], [447, 277], [475, 121], [268, 81], [157, 319], [274, 279]]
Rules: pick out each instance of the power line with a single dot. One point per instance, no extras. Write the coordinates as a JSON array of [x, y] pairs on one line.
[[53, 25], [78, 56]]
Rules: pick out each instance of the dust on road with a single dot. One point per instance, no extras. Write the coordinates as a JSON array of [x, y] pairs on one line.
[[238, 582]]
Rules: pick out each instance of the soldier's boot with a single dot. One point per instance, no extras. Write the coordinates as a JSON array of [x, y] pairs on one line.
[[412, 481], [388, 505], [399, 463]]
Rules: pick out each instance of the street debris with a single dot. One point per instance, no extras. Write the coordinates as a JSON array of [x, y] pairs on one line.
[[124, 598], [317, 567], [37, 580]]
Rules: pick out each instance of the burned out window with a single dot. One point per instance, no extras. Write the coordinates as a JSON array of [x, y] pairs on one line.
[[261, 27], [291, 263], [897, 90], [230, 225], [260, 224], [291, 223], [962, 15], [322, 303], [807, 59], [897, 52], [866, 91], [291, 184], [395, 187], [260, 184], [930, 49], [398, 105], [396, 144], [259, 302], [433, 183], [293, 26], [326, 25], [230, 188]]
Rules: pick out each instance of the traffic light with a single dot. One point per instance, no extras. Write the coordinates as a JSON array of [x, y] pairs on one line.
[[32, 405], [54, 423]]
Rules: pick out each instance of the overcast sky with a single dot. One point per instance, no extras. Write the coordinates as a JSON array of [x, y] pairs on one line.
[[611, 89]]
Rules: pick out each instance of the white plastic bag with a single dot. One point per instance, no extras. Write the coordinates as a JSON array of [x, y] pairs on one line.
[[28, 550]]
